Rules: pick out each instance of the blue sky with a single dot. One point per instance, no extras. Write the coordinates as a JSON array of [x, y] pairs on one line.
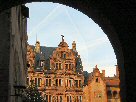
[[50, 20]]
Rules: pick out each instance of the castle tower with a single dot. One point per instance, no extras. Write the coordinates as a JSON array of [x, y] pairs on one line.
[[37, 47], [103, 73]]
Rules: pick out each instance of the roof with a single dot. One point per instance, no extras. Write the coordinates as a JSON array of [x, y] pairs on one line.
[[112, 81], [86, 77], [46, 52]]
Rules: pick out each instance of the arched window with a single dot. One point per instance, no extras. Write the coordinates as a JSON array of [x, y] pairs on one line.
[[115, 94]]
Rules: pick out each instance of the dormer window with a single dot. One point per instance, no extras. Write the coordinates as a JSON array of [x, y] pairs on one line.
[[41, 63]]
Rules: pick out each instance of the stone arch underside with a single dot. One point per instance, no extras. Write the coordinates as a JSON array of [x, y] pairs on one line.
[[117, 19]]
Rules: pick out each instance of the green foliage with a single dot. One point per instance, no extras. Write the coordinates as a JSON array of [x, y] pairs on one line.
[[32, 94]]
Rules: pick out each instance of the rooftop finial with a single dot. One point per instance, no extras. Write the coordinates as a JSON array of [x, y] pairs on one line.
[[36, 37], [74, 46], [62, 38]]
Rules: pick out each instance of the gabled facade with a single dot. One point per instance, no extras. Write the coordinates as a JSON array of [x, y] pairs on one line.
[[96, 87], [100, 88], [57, 72], [112, 87]]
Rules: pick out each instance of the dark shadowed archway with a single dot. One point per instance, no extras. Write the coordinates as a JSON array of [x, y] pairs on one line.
[[116, 18]]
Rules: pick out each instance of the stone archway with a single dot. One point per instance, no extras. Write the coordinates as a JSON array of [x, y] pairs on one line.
[[116, 18]]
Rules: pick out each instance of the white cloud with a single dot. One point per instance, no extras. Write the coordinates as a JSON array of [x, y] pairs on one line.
[[44, 21], [92, 44]]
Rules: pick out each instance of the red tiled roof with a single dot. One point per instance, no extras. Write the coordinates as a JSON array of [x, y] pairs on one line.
[[114, 82]]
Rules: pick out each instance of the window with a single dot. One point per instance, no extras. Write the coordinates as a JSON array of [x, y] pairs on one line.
[[70, 83], [60, 98], [41, 63], [67, 82], [48, 82], [39, 82], [77, 99], [80, 98], [36, 81], [59, 82], [115, 94], [56, 65], [80, 83], [56, 82], [48, 98], [59, 65], [69, 98], [76, 83], [56, 99], [66, 65], [64, 55], [97, 80], [27, 82], [70, 66], [109, 94]]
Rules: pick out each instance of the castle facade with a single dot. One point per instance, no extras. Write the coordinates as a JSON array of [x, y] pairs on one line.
[[58, 74]]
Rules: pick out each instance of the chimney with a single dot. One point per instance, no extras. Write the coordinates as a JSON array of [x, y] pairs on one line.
[[103, 72], [117, 70]]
